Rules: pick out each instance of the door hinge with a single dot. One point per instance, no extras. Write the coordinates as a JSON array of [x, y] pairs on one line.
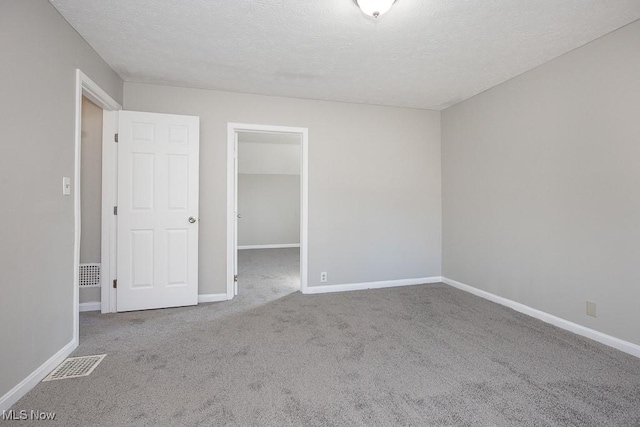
[[115, 283], [115, 137], [235, 278], [115, 210]]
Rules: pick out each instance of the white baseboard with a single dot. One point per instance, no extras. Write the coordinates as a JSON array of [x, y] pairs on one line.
[[279, 246], [95, 306], [13, 395], [90, 306], [617, 343], [372, 285], [212, 298]]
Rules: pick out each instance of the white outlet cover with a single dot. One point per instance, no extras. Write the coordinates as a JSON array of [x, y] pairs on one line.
[[591, 309]]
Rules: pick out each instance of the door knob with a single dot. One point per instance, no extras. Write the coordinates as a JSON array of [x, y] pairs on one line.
[[192, 220]]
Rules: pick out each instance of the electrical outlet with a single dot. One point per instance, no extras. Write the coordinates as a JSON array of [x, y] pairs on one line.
[[323, 277], [591, 308]]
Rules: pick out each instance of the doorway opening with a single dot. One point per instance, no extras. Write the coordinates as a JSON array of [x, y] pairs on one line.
[[92, 98], [90, 205], [267, 211]]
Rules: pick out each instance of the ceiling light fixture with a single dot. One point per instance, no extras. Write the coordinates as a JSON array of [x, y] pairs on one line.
[[375, 8]]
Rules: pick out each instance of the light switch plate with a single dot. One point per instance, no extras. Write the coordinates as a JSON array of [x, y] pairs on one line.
[[66, 186]]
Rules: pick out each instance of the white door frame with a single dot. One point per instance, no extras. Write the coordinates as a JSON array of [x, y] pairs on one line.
[[85, 86], [109, 248], [232, 130]]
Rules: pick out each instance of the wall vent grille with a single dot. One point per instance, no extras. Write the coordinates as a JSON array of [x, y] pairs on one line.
[[89, 275]]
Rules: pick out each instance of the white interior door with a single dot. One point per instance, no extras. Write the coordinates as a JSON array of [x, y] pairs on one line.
[[158, 160]]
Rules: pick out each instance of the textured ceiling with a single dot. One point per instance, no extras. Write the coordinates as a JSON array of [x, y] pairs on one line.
[[422, 53]]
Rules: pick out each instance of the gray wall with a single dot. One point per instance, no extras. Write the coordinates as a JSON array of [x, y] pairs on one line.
[[541, 175], [268, 191], [91, 191], [269, 157], [374, 181], [40, 53], [270, 209]]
